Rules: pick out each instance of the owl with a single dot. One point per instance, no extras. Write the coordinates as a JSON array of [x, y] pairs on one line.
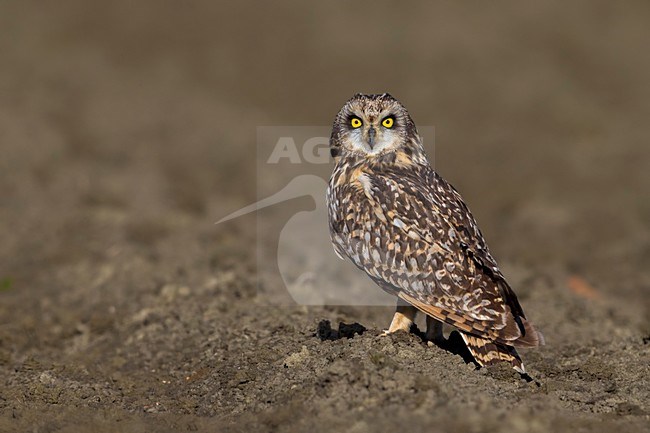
[[396, 219]]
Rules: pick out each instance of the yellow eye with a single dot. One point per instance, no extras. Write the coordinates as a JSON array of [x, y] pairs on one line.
[[388, 122], [356, 122]]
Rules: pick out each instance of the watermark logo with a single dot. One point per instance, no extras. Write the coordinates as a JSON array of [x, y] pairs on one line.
[[314, 150], [295, 258]]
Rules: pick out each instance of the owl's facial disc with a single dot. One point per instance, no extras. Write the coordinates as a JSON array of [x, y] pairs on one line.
[[372, 135]]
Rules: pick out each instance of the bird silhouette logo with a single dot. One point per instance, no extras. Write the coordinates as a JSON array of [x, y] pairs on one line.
[[311, 271], [301, 253]]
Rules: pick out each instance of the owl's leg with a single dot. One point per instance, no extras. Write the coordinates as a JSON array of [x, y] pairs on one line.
[[434, 330], [403, 318]]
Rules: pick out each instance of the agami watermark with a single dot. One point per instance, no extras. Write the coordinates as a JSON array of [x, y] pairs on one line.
[[294, 162]]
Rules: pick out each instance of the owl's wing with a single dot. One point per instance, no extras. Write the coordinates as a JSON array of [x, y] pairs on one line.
[[419, 239], [459, 216]]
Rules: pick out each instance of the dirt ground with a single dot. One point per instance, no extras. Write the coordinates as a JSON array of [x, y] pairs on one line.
[[128, 128]]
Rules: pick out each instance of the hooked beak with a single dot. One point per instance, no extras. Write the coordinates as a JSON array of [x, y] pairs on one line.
[[371, 136]]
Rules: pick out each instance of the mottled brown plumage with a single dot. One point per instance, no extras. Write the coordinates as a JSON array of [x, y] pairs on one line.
[[396, 219]]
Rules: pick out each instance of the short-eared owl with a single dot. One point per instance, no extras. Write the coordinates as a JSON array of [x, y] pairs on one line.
[[411, 232]]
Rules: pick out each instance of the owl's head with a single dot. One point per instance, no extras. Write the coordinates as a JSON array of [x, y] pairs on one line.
[[373, 126]]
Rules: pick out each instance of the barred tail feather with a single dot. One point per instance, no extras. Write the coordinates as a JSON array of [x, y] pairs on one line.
[[519, 332], [487, 352]]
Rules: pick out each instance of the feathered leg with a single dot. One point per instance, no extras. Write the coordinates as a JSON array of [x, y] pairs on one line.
[[403, 318], [434, 330]]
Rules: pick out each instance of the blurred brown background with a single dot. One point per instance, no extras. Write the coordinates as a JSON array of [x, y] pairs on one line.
[[127, 128]]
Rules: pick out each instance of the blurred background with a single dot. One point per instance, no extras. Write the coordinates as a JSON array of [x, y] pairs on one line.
[[128, 128]]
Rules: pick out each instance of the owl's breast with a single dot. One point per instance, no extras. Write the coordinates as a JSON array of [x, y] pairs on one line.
[[392, 230], [359, 228], [350, 214]]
